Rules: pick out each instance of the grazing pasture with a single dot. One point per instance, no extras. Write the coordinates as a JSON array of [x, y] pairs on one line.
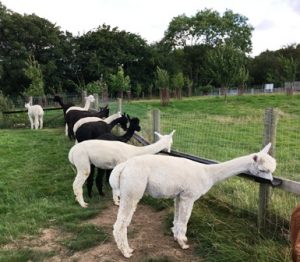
[[36, 181]]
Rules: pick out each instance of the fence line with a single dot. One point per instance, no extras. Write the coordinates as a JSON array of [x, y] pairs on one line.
[[264, 193]]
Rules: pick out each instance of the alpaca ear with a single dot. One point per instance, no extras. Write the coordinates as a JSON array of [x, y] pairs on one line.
[[172, 133], [255, 158], [266, 148], [158, 134]]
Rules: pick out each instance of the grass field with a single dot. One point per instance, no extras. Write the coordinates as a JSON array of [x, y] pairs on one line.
[[36, 178]]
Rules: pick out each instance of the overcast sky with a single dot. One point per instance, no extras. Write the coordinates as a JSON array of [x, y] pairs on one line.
[[276, 22]]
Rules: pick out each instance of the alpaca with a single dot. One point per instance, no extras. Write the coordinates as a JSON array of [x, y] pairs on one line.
[[106, 155], [88, 100], [64, 106], [74, 115], [134, 125], [35, 115], [295, 234], [84, 120], [93, 130], [172, 177]]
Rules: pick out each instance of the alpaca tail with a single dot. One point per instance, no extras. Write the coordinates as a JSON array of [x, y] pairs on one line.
[[70, 155], [114, 181]]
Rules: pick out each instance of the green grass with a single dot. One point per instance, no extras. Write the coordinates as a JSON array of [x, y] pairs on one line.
[[36, 189], [36, 178]]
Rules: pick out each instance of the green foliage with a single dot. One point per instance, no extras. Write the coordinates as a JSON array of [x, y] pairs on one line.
[[288, 68], [34, 73], [224, 65], [5, 103], [208, 27], [178, 81], [162, 79], [119, 82]]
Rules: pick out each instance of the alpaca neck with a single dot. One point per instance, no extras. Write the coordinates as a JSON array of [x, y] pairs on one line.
[[153, 148], [87, 105], [111, 118], [229, 168], [129, 133], [114, 122], [61, 103]]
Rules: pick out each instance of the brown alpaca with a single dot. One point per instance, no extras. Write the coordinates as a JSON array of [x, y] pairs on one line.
[[295, 234]]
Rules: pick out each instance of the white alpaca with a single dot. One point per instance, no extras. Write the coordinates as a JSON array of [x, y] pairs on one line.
[[106, 155], [35, 115], [84, 120], [88, 100], [179, 178]]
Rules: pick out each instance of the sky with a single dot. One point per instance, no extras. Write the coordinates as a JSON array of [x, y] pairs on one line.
[[276, 22]]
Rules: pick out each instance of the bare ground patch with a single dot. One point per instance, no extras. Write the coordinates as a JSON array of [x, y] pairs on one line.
[[146, 234]]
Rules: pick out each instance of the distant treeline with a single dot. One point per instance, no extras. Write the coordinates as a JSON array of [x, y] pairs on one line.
[[206, 50]]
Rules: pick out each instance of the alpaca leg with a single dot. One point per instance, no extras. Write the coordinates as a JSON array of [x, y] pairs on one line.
[[125, 213], [41, 122], [36, 122], [90, 181], [31, 122], [128, 202], [99, 181], [175, 221], [184, 213], [66, 129], [77, 186]]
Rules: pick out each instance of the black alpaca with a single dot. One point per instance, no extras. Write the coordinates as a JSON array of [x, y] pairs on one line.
[[134, 125], [64, 106], [92, 130], [74, 115]]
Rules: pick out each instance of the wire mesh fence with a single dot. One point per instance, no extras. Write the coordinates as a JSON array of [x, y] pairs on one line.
[[219, 138]]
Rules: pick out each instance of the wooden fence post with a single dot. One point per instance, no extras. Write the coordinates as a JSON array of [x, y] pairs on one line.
[[96, 103], [83, 95], [270, 124], [155, 123], [120, 105]]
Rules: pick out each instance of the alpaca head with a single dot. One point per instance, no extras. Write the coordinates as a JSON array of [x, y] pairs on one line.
[[57, 99], [122, 121], [27, 105], [90, 98], [263, 164], [104, 111], [134, 123], [168, 139]]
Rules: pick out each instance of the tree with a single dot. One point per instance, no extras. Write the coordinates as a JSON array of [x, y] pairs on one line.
[[241, 78], [208, 27], [178, 83], [34, 73], [288, 72], [162, 81], [223, 66], [119, 82]]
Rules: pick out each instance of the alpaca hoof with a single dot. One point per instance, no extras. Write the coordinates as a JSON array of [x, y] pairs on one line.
[[84, 205], [182, 244], [130, 250], [117, 203], [127, 255]]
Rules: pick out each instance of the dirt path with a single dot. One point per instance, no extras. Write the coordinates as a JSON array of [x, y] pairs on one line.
[[146, 235]]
